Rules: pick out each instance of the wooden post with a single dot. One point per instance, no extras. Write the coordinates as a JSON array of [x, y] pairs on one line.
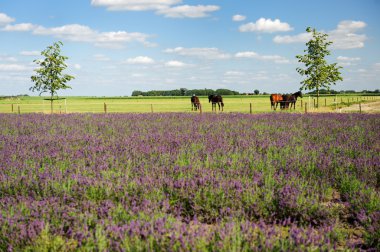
[[151, 108], [105, 108], [12, 107], [60, 107], [200, 108], [301, 104], [305, 107], [360, 107], [314, 102], [65, 107], [250, 108], [325, 103], [18, 108]]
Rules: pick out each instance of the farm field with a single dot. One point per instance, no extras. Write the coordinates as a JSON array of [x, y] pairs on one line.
[[241, 104], [189, 182]]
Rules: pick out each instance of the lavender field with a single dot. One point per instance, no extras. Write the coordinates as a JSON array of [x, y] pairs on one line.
[[189, 182]]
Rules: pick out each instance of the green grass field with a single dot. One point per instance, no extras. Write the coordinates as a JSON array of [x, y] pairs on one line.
[[260, 104]]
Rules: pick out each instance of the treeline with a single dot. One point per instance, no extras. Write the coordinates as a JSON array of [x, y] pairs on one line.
[[331, 91], [185, 92]]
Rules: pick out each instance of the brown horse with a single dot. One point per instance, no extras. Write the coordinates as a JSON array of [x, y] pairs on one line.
[[195, 103], [216, 99], [274, 100], [290, 100]]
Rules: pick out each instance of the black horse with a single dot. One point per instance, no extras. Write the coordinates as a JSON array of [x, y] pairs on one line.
[[195, 103], [290, 99], [216, 99]]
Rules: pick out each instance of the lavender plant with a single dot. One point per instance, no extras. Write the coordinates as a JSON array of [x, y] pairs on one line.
[[227, 182]]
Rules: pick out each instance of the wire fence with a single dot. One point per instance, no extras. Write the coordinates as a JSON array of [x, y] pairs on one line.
[[307, 104]]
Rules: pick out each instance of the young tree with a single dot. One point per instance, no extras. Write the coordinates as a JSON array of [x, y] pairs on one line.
[[49, 77], [319, 74]]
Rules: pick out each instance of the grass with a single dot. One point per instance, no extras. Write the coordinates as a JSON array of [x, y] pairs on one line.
[[260, 104]]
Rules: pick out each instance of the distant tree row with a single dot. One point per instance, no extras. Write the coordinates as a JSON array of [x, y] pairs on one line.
[[185, 92], [331, 91]]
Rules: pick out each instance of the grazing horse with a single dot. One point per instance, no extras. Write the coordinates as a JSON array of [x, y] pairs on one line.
[[215, 99], [195, 103], [274, 100], [290, 100]]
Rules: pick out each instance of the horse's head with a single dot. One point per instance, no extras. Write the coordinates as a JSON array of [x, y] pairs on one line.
[[210, 98]]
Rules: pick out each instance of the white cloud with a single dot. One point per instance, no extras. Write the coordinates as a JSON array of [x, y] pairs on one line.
[[5, 19], [266, 25], [233, 73], [140, 60], [343, 58], [174, 63], [81, 33], [300, 38], [203, 53], [135, 5], [253, 55], [188, 11], [22, 27], [30, 53], [101, 57], [238, 18], [7, 58], [77, 66], [13, 68], [162, 7], [345, 36]]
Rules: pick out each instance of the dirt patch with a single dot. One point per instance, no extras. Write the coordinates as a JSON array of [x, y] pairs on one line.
[[369, 107]]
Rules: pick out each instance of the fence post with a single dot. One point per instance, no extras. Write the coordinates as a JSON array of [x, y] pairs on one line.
[[12, 107], [18, 108], [200, 108], [301, 104], [360, 107], [105, 108], [65, 107], [151, 108], [250, 108], [325, 103], [60, 109], [314, 102], [305, 107]]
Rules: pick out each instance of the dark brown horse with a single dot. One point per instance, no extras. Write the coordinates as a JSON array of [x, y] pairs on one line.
[[216, 99], [274, 100], [290, 100], [195, 103]]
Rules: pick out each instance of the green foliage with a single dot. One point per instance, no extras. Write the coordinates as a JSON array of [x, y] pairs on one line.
[[184, 92], [49, 77], [319, 74]]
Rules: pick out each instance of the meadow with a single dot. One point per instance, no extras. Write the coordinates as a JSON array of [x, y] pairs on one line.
[[189, 182], [240, 104]]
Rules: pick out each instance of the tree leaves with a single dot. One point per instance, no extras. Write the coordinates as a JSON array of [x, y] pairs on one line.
[[318, 72], [49, 77]]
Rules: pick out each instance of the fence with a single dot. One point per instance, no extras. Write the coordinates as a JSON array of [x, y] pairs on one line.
[[239, 105]]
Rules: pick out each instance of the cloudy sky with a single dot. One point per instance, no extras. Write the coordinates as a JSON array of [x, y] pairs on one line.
[[117, 46]]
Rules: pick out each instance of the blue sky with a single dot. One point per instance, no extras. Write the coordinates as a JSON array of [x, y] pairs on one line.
[[117, 46]]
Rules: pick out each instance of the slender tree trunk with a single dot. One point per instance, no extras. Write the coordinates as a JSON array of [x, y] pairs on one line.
[[317, 97], [51, 103]]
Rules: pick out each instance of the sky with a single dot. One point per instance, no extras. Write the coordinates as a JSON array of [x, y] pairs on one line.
[[118, 46]]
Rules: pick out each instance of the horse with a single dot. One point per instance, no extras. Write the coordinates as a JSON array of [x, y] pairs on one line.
[[216, 99], [195, 103], [294, 99], [290, 100], [274, 100]]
